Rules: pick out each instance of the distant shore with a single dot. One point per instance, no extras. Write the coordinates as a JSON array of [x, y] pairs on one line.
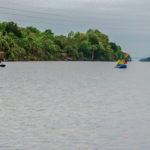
[[147, 59]]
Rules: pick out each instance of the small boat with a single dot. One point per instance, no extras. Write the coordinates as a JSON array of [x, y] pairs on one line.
[[121, 66], [2, 65]]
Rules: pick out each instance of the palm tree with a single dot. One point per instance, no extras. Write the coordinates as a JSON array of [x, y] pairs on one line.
[[94, 48]]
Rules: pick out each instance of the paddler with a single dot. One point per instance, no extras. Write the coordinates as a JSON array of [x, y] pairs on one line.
[[121, 61]]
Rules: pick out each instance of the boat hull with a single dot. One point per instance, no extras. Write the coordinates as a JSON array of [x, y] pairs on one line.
[[2, 65], [121, 66]]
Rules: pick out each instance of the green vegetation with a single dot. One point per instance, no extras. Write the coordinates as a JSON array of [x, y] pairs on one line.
[[25, 44], [145, 59]]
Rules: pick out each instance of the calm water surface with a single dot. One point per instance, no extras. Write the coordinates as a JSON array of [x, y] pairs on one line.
[[74, 106]]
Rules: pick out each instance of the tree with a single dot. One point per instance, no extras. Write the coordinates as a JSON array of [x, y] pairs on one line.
[[93, 38], [12, 27], [61, 41], [85, 47], [71, 34], [34, 30], [94, 48], [48, 34]]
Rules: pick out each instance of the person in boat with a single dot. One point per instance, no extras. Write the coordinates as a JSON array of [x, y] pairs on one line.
[[121, 61], [125, 61]]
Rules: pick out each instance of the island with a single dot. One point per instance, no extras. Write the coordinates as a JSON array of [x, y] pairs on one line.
[[30, 44], [145, 59]]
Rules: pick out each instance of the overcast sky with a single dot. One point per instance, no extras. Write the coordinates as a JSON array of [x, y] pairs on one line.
[[125, 21]]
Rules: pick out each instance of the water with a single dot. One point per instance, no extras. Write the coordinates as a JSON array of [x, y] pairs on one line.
[[74, 106]]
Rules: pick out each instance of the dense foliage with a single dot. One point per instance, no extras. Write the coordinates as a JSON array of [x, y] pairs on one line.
[[29, 43]]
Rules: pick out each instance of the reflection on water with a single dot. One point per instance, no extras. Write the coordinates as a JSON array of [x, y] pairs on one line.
[[74, 106]]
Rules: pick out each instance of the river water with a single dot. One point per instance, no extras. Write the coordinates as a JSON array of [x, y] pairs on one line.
[[74, 106]]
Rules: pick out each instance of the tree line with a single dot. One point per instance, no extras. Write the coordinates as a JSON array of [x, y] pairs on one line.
[[30, 44]]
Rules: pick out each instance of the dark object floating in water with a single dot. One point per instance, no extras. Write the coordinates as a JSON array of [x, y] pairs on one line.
[[121, 66], [2, 65]]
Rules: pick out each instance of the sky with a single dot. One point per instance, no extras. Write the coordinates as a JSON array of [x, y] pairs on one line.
[[126, 22]]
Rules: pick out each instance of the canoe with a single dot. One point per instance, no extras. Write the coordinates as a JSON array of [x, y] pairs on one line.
[[2, 65], [121, 66]]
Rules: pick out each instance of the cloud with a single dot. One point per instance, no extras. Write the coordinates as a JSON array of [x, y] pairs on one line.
[[123, 20]]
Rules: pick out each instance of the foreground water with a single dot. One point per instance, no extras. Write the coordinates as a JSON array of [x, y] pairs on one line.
[[74, 106]]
